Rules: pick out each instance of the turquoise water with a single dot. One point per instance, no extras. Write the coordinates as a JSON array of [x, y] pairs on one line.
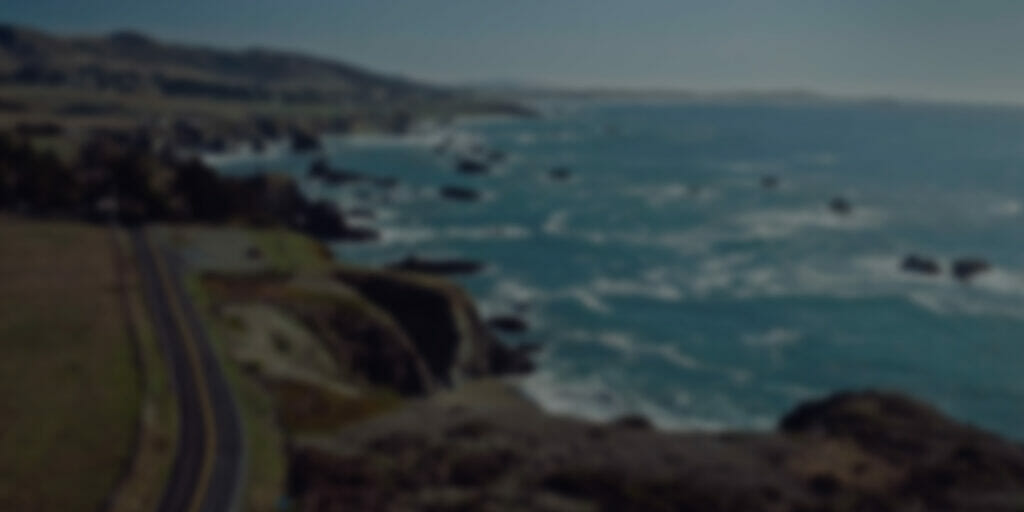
[[662, 278]]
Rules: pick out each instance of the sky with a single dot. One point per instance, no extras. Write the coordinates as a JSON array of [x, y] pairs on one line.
[[926, 49]]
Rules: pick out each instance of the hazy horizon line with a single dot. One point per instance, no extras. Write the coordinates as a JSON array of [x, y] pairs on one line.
[[542, 86]]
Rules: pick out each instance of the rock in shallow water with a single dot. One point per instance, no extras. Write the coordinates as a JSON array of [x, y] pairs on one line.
[[323, 220], [438, 267], [840, 206], [560, 174], [302, 141], [508, 323], [965, 269], [469, 166], [920, 265], [456, 193]]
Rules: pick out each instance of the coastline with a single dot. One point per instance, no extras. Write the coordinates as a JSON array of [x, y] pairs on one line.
[[352, 290], [763, 421]]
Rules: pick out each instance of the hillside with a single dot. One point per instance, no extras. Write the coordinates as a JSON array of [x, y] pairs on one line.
[[52, 84], [132, 63]]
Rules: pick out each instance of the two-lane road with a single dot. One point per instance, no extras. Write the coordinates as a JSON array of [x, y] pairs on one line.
[[209, 462]]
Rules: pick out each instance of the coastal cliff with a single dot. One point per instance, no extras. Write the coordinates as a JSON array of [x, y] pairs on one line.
[[406, 409]]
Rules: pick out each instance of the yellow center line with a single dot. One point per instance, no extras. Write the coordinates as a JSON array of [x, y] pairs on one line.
[[200, 377]]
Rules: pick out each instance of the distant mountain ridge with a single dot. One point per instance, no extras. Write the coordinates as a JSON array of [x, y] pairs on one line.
[[130, 62]]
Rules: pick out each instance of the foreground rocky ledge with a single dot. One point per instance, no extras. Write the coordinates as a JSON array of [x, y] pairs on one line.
[[480, 449]]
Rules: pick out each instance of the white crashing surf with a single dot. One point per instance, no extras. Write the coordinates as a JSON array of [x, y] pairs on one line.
[[770, 224], [595, 399]]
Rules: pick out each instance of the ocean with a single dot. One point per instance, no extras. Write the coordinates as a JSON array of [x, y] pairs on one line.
[[690, 269]]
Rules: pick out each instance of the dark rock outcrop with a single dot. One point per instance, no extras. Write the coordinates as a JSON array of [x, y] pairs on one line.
[[439, 266], [303, 141], [514, 360], [441, 321], [851, 452], [508, 323], [840, 206], [941, 463], [456, 193], [367, 345], [361, 213], [321, 170], [323, 220], [965, 269], [636, 421], [921, 265], [318, 168], [560, 174], [471, 166]]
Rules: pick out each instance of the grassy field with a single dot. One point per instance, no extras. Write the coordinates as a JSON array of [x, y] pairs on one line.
[[70, 386]]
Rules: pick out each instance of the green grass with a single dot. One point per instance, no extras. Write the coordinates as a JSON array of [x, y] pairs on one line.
[[267, 462], [70, 390], [289, 251]]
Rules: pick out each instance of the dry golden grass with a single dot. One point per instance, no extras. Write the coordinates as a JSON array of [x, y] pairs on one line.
[[70, 390], [308, 408]]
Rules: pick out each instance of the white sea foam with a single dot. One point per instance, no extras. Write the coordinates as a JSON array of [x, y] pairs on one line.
[[691, 241], [774, 338], [525, 138], [1007, 208], [402, 235], [244, 153], [607, 287], [682, 398], [783, 223], [628, 346], [661, 194], [418, 139], [774, 341], [556, 223], [617, 340], [999, 291], [749, 166], [590, 398], [516, 291], [757, 225], [497, 232], [589, 300], [395, 235], [596, 399]]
